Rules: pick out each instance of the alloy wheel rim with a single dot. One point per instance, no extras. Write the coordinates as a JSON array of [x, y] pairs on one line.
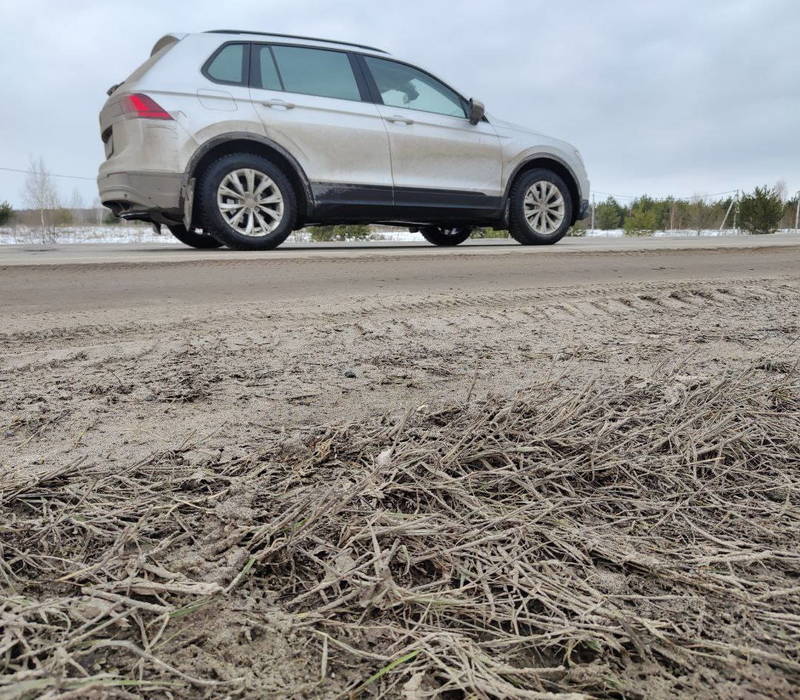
[[544, 207], [250, 202]]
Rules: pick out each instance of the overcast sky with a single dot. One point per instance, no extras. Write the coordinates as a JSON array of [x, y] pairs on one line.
[[678, 96]]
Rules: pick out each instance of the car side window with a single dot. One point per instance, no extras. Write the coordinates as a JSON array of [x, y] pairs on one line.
[[403, 86], [315, 72], [228, 65]]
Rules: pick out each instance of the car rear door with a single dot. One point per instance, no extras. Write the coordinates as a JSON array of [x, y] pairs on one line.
[[314, 104], [438, 157]]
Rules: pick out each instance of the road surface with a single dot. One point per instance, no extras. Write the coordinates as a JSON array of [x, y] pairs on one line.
[[150, 280]]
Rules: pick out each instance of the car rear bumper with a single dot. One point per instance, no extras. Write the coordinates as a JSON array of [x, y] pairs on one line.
[[140, 190]]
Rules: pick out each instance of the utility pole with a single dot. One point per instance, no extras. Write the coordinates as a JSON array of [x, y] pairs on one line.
[[594, 206], [736, 214], [725, 218], [797, 213]]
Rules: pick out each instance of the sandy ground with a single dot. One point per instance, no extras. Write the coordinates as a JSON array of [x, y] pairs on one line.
[[108, 354], [110, 358]]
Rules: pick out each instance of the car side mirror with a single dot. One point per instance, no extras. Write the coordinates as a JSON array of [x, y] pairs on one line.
[[476, 111]]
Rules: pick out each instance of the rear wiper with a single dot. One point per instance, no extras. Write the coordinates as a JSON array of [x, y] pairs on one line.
[[112, 88]]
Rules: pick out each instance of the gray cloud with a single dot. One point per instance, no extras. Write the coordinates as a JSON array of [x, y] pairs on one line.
[[686, 97]]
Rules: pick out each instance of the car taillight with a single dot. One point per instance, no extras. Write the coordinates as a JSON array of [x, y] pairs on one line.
[[143, 107]]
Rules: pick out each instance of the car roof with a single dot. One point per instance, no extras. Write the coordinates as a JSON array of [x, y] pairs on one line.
[[284, 38]]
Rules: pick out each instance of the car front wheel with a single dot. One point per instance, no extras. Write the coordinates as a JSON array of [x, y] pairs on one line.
[[246, 202], [541, 208]]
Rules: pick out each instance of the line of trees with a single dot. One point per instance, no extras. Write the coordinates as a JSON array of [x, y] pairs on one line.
[[764, 210]]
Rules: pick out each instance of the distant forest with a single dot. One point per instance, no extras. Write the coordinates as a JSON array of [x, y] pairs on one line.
[[699, 213]]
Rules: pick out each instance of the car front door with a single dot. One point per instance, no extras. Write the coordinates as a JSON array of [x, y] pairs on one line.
[[439, 159], [312, 104]]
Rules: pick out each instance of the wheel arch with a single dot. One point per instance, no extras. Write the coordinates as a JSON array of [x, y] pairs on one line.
[[548, 161], [244, 142]]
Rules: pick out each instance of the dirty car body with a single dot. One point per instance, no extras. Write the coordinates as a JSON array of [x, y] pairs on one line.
[[331, 133]]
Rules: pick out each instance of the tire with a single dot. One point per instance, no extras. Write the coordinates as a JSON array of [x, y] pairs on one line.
[[193, 239], [246, 202], [529, 222], [445, 236]]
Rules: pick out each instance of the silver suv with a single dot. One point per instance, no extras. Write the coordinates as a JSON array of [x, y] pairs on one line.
[[237, 138]]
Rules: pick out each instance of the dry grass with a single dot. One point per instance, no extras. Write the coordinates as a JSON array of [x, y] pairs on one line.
[[637, 539]]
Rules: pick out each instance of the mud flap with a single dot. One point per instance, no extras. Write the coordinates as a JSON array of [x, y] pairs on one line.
[[188, 204]]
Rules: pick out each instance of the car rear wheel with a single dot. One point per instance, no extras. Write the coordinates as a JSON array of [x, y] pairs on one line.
[[445, 236], [541, 208], [194, 239], [246, 202]]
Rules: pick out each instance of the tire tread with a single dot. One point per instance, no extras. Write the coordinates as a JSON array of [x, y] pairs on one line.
[[518, 225], [211, 220]]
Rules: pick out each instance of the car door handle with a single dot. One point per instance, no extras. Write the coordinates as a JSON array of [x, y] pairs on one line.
[[279, 103], [397, 118]]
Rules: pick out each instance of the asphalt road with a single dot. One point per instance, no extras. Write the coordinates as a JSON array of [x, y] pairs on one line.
[[141, 279], [174, 252]]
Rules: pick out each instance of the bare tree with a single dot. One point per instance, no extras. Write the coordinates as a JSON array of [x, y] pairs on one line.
[[78, 207], [40, 193], [699, 214]]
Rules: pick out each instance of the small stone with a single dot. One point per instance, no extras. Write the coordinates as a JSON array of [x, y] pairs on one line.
[[292, 445], [8, 434], [350, 373], [385, 458]]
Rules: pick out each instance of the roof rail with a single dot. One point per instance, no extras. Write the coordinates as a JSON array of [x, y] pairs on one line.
[[294, 36]]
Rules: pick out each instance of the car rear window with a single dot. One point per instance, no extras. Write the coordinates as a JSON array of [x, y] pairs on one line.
[[228, 64], [150, 62], [316, 72]]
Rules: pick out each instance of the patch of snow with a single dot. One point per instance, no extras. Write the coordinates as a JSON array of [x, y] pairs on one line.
[[87, 233], [394, 235], [144, 234], [676, 233]]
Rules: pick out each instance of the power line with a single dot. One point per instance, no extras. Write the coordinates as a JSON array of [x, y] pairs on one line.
[[616, 196], [692, 196], [33, 172]]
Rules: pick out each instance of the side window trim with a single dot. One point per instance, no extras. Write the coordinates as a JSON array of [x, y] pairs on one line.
[[255, 68], [370, 91], [255, 72], [361, 80], [379, 99], [245, 64], [277, 68]]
